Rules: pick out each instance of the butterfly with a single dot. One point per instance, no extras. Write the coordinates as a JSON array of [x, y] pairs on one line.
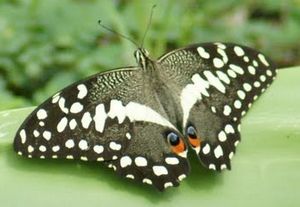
[[141, 120]]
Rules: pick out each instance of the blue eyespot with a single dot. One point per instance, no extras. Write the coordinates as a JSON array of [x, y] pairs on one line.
[[191, 132], [173, 138]]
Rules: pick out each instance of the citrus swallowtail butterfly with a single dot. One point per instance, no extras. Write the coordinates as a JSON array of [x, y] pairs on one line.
[[141, 120]]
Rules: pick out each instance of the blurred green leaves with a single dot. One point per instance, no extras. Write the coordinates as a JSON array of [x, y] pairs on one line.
[[45, 45]]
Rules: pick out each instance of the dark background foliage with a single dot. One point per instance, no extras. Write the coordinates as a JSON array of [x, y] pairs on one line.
[[47, 44]]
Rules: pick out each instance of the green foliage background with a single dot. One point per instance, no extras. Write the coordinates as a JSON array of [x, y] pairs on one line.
[[47, 44]]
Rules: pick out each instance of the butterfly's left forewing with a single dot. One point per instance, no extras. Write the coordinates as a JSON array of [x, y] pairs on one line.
[[105, 118], [216, 84]]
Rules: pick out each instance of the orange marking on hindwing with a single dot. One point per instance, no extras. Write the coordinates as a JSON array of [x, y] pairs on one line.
[[179, 148], [195, 142]]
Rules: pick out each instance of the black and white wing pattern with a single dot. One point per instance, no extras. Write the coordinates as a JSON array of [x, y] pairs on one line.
[[138, 120], [110, 117], [215, 84]]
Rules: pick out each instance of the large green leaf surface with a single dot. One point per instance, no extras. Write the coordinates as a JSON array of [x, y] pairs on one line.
[[265, 171]]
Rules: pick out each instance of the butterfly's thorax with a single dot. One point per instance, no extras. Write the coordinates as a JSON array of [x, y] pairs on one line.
[[161, 89]]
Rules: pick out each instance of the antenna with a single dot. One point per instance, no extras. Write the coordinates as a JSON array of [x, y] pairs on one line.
[[117, 33], [127, 38], [148, 25]]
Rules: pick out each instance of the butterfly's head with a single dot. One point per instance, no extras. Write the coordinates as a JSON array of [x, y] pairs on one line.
[[142, 56]]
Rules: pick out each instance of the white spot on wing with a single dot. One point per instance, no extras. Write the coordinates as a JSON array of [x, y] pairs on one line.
[[246, 59], [229, 129], [70, 143], [223, 167], [256, 84], [214, 81], [72, 124], [218, 151], [148, 181], [115, 146], [251, 70], [231, 73], [172, 160], [130, 176], [222, 136], [125, 161], [42, 148], [263, 59], [76, 108], [227, 110], [140, 161], [86, 120], [41, 114], [206, 149], [128, 135], [62, 124], [98, 149], [223, 77], [30, 149], [247, 87], [238, 51], [82, 91], [237, 69], [23, 136], [269, 73], [230, 155], [55, 98], [47, 135], [55, 148], [100, 117], [223, 54], [241, 94], [61, 104], [168, 184], [181, 177], [159, 170], [237, 104], [203, 53], [218, 63], [212, 166], [83, 145], [36, 133], [262, 78]]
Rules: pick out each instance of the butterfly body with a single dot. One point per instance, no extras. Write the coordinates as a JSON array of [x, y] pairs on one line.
[[141, 120]]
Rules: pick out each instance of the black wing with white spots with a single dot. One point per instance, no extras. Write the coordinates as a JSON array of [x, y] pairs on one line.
[[107, 118], [216, 84], [131, 118]]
